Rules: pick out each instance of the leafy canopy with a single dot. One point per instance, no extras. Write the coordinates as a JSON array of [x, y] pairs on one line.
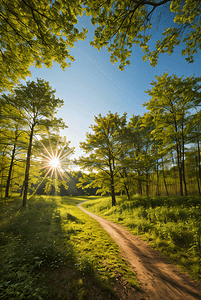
[[36, 32], [124, 23]]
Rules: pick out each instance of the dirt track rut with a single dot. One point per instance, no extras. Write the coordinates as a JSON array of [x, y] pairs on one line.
[[158, 279]]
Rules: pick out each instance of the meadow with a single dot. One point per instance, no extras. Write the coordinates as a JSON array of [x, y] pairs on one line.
[[53, 250], [170, 224]]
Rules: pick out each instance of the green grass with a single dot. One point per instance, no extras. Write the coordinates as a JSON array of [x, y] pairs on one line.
[[170, 224], [53, 250]]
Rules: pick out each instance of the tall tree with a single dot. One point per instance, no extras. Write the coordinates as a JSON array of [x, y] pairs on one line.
[[12, 142], [103, 147], [123, 23], [37, 105], [170, 105], [36, 32]]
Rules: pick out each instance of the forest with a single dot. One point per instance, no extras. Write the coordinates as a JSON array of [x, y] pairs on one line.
[[154, 154], [142, 172]]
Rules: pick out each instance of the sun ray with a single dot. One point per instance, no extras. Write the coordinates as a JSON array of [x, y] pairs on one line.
[[55, 161]]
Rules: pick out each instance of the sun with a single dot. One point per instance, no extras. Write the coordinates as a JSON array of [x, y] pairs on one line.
[[54, 163]]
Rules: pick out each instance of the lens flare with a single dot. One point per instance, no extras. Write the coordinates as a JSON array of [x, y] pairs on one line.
[[55, 161]]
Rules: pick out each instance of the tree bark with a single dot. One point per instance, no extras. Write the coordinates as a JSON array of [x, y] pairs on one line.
[[10, 172], [112, 190], [157, 180], [199, 162], [26, 179], [183, 162], [180, 170], [164, 180], [147, 183]]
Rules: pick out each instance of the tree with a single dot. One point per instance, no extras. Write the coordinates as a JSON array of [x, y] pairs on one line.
[[37, 105], [172, 100], [103, 147], [35, 33], [123, 23], [13, 140]]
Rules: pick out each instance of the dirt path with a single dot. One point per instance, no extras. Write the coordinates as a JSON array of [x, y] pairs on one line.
[[158, 279]]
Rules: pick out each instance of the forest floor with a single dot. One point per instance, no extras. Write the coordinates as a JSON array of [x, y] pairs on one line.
[[159, 279]]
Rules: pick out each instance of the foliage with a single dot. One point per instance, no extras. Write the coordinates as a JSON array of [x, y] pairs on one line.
[[41, 32], [54, 250], [36, 33], [36, 105], [173, 103], [104, 148], [122, 24]]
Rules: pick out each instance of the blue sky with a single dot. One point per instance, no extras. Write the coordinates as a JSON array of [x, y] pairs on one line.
[[93, 85]]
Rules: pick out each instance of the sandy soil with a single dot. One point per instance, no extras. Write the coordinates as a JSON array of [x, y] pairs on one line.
[[159, 280]]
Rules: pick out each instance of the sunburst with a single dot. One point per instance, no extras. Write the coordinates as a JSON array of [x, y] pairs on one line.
[[54, 161]]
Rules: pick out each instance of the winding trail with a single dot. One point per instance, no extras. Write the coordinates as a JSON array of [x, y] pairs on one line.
[[159, 280]]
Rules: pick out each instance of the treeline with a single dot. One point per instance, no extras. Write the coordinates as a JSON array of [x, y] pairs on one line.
[[30, 139], [156, 154], [30, 142]]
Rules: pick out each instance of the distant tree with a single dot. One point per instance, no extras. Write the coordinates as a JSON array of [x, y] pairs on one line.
[[103, 147], [13, 139], [124, 23], [35, 33], [171, 103], [37, 106]]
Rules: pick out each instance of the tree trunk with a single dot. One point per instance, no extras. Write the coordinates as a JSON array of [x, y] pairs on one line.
[[164, 180], [197, 174], [183, 165], [157, 180], [112, 190], [126, 186], [26, 179], [199, 162], [139, 184], [10, 172], [175, 175], [180, 170], [147, 184]]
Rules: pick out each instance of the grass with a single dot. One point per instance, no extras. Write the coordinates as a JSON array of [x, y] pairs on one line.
[[53, 250], [170, 224]]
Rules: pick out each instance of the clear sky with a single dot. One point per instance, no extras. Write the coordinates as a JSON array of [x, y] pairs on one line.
[[93, 85]]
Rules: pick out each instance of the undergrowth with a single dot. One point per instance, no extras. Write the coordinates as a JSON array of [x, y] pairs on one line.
[[53, 250], [170, 224]]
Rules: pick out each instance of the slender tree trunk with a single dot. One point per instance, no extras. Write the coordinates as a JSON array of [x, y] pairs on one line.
[[164, 179], [112, 166], [180, 170], [199, 162], [10, 172], [147, 184], [112, 190], [26, 179], [184, 177], [183, 164], [126, 186], [157, 180], [139, 184], [197, 174], [175, 175], [127, 191]]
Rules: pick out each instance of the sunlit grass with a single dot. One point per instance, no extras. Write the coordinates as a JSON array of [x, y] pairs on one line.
[[170, 224], [53, 250]]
